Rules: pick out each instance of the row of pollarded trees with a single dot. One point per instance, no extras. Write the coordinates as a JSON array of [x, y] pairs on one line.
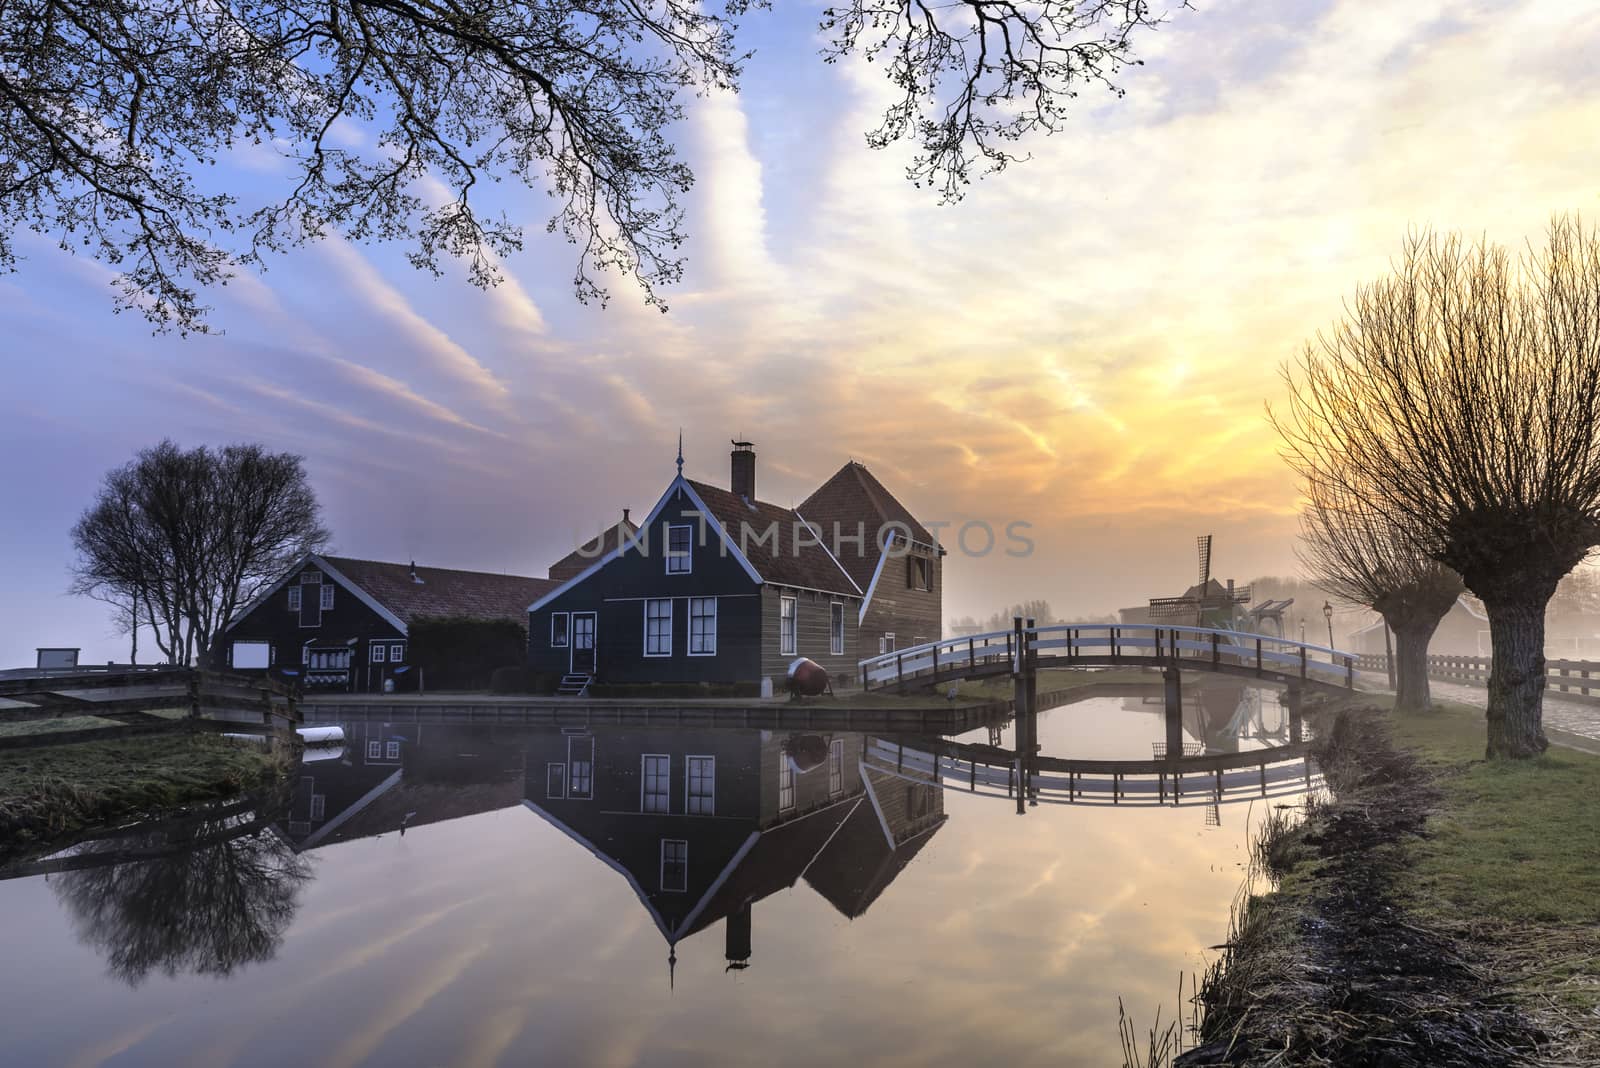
[[1448, 433]]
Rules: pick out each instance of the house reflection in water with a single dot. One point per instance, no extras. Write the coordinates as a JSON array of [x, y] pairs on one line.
[[705, 823]]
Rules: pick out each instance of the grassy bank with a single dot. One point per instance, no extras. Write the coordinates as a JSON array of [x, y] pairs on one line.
[[51, 794], [1437, 909]]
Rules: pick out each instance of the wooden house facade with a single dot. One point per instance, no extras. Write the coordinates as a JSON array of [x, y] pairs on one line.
[[341, 624], [891, 556], [715, 587]]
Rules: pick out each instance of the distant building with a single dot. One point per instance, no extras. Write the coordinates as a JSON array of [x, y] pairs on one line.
[[1464, 631], [344, 624]]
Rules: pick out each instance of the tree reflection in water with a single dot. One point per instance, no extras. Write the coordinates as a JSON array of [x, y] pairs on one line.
[[207, 899]]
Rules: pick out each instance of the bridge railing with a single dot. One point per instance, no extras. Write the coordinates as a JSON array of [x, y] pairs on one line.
[[1110, 644]]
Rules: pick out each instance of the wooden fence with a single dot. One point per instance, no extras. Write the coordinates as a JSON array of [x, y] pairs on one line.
[[127, 703], [1579, 679]]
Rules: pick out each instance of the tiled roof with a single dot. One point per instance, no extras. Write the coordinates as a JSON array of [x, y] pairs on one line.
[[811, 567], [443, 591], [576, 562], [851, 497]]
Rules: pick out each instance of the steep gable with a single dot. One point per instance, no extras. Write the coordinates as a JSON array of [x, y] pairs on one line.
[[852, 498], [779, 559]]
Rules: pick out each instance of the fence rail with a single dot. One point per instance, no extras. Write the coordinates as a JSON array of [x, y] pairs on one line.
[[1579, 679], [1103, 645], [141, 701]]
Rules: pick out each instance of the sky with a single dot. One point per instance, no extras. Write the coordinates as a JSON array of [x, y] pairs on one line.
[[1086, 343]]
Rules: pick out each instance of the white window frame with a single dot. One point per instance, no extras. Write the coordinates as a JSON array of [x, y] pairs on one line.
[[294, 598], [397, 652], [704, 651], [391, 750], [648, 603], [886, 643], [836, 634], [319, 807], [587, 795], [689, 797], [789, 612], [374, 749], [379, 652], [566, 630], [233, 655], [785, 781], [661, 872], [644, 782], [836, 767], [550, 768], [680, 563], [326, 597]]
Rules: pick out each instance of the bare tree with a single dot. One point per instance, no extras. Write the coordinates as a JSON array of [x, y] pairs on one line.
[[191, 536], [111, 111], [1363, 556], [1462, 396]]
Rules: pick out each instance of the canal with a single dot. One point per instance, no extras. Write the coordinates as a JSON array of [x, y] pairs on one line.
[[443, 894]]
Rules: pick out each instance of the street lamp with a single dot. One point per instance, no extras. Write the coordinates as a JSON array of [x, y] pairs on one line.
[[1327, 613]]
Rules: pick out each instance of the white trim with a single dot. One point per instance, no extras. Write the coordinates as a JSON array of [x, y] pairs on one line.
[[642, 779], [872, 587], [831, 606], [818, 535], [397, 652], [689, 633], [566, 635], [589, 796], [612, 863], [377, 652], [294, 598], [594, 643], [722, 532], [722, 877], [661, 867], [550, 765], [648, 602], [872, 795], [362, 802], [688, 777]]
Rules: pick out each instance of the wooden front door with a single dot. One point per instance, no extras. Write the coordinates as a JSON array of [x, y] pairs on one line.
[[582, 643]]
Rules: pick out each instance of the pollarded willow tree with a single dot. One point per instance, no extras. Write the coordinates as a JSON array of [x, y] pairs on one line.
[[111, 111], [1461, 396], [1363, 556]]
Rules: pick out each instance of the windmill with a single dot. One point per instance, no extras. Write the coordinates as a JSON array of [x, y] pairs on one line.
[[1207, 596]]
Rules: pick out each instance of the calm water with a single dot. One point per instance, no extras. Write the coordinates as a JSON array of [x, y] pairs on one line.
[[789, 906]]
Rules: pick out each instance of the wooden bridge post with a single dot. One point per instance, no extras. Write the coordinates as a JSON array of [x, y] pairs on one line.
[[1174, 711], [1292, 697], [1020, 694]]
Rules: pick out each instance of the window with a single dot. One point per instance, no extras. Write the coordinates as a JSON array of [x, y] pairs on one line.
[[658, 627], [918, 573], [836, 767], [252, 656], [786, 626], [674, 865], [294, 598], [374, 750], [580, 760], [397, 653], [310, 578], [555, 780], [886, 643], [377, 654], [392, 751], [680, 557], [319, 807], [654, 791], [702, 626], [836, 629], [558, 630], [785, 781], [701, 788], [327, 596]]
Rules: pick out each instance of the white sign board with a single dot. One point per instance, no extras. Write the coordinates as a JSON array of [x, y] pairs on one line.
[[55, 659], [252, 656]]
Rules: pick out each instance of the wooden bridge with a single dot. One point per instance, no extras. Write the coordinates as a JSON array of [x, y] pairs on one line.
[[1078, 645]]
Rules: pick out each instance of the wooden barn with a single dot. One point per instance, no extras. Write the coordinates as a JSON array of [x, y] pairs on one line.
[[341, 624], [716, 587], [890, 555]]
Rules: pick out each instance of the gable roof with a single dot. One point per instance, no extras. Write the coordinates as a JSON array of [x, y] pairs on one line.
[[443, 591], [854, 496], [578, 560], [786, 563]]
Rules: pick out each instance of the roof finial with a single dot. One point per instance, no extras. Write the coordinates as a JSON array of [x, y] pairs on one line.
[[680, 450], [672, 965]]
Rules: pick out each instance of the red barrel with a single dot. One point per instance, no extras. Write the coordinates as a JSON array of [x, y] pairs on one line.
[[808, 678]]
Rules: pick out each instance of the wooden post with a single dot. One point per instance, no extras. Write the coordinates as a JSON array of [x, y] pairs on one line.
[[972, 654], [1388, 655], [1349, 673], [1258, 658], [1020, 709], [194, 693], [1173, 688], [1216, 652], [1292, 697], [1302, 661]]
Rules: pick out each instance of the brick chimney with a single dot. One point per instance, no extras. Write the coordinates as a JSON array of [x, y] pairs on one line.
[[743, 480]]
